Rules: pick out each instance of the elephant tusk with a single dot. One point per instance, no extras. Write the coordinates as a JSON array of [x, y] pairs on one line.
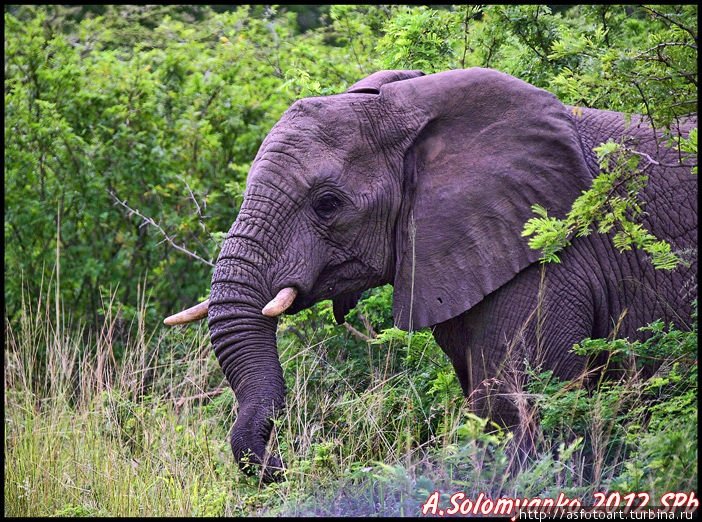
[[194, 313], [280, 302]]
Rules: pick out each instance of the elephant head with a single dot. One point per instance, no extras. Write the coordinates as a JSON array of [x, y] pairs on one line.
[[422, 181]]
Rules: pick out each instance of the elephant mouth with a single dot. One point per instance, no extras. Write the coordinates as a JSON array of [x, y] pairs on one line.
[[300, 304], [304, 300], [333, 281]]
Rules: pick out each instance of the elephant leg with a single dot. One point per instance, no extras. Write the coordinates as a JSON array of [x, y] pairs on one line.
[[523, 320], [480, 366]]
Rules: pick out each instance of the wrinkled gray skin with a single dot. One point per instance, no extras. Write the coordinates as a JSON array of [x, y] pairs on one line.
[[425, 182]]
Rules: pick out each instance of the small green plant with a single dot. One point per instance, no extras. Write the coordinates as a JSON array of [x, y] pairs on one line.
[[607, 206]]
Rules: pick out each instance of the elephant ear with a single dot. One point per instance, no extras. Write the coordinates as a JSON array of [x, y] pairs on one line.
[[371, 84], [489, 148]]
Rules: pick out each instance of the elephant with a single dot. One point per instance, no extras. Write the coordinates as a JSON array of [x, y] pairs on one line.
[[425, 181]]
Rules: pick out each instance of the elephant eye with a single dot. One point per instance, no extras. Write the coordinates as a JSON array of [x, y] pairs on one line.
[[326, 206]]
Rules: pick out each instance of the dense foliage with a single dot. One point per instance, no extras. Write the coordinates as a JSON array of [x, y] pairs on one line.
[[129, 132]]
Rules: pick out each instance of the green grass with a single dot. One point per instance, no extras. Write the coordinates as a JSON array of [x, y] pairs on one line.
[[91, 432]]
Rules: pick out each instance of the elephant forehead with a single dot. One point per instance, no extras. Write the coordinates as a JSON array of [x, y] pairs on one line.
[[316, 139], [297, 158], [342, 121], [295, 177]]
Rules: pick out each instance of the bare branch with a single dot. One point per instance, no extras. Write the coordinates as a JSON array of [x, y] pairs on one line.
[[209, 101], [212, 393], [684, 102], [192, 196], [150, 221], [648, 111], [355, 332], [651, 161], [690, 77], [665, 44], [200, 216], [661, 78]]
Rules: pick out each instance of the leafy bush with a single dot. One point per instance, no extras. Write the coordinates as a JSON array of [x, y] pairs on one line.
[[165, 120]]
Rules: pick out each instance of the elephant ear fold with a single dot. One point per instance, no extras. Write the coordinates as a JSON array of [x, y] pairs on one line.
[[371, 84], [490, 148]]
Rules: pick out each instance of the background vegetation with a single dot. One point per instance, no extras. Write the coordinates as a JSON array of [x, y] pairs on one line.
[[129, 132]]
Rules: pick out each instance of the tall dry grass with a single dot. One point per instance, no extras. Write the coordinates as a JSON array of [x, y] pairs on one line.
[[90, 432], [127, 421]]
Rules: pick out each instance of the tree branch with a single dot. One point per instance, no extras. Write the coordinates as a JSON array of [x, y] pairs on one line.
[[355, 332], [654, 162], [665, 44], [694, 36], [192, 196], [150, 221]]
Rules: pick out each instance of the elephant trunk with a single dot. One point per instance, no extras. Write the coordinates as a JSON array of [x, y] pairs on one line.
[[245, 345]]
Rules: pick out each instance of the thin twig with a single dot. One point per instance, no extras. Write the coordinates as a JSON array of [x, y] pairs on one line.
[[192, 196], [182, 400], [648, 111], [663, 78], [150, 221], [654, 162], [214, 94], [694, 36], [355, 332], [200, 216], [665, 44]]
